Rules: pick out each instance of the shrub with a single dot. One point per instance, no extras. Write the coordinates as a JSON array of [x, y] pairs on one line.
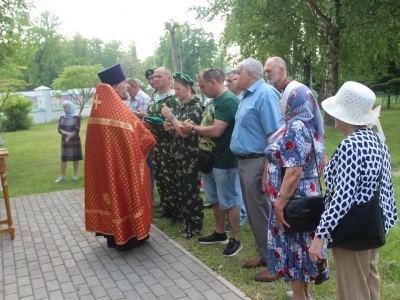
[[16, 111]]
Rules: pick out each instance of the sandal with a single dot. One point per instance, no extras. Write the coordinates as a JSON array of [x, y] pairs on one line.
[[188, 232]]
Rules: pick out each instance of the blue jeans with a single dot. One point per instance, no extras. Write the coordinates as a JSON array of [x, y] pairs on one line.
[[222, 186], [151, 167]]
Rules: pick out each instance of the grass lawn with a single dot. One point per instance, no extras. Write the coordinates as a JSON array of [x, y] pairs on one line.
[[34, 164]]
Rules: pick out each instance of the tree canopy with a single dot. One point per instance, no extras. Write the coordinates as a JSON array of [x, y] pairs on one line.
[[79, 82], [334, 40], [14, 21], [196, 50]]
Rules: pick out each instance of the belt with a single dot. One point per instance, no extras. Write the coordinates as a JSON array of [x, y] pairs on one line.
[[249, 156]]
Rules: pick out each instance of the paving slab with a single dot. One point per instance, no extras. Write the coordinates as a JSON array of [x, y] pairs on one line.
[[53, 257]]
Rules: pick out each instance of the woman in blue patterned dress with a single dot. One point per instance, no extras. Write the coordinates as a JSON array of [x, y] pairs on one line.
[[71, 148], [290, 149]]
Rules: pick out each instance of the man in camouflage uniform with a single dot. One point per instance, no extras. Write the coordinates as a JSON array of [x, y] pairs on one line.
[[163, 162]]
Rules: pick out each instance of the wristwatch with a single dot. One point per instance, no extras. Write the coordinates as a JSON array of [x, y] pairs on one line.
[[193, 129]]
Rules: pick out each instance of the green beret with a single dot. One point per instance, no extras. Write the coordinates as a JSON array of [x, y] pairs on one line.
[[149, 72], [183, 77]]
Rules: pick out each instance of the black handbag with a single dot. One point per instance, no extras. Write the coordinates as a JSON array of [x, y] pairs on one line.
[[205, 161], [363, 227], [304, 214]]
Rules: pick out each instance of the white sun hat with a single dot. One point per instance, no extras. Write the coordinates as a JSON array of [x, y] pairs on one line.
[[353, 104]]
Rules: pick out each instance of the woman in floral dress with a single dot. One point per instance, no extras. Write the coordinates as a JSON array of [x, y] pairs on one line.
[[292, 172]]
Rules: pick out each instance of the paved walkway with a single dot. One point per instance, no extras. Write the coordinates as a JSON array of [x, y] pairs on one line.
[[52, 257]]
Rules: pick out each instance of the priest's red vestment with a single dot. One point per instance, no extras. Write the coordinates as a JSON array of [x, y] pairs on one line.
[[118, 199]]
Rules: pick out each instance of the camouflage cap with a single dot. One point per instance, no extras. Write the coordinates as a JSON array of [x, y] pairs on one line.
[[183, 77], [149, 72]]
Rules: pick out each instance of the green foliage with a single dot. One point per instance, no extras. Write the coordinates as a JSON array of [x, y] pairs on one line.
[[79, 82], [16, 109], [14, 20], [343, 40], [131, 64], [50, 56], [196, 50]]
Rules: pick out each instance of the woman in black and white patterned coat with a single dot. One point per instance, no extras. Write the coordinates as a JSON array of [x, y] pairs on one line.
[[351, 178]]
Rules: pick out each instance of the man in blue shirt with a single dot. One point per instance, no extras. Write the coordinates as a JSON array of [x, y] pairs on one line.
[[257, 117]]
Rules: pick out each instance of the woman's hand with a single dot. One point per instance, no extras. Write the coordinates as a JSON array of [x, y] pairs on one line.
[[264, 182], [279, 206], [315, 250], [166, 112], [67, 139]]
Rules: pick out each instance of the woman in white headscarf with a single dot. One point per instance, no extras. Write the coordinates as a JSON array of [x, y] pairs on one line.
[[360, 164], [71, 148]]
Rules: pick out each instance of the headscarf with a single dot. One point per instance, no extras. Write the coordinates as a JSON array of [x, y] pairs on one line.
[[302, 105], [72, 112], [375, 113]]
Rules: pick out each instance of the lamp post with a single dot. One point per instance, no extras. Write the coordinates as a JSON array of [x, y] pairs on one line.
[[180, 56]]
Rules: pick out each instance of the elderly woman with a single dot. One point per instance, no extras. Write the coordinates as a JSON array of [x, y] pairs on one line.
[[292, 171], [359, 165], [184, 150], [71, 149]]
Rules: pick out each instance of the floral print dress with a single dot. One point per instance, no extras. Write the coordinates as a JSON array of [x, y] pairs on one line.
[[289, 147]]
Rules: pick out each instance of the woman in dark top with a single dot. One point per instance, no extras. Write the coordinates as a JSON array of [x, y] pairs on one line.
[[71, 149]]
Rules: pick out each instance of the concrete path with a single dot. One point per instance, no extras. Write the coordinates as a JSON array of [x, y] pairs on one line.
[[52, 257]]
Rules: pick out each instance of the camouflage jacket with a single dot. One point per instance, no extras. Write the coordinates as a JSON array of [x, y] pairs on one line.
[[154, 110], [185, 148]]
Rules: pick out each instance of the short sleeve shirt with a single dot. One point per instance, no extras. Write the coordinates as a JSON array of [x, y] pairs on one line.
[[224, 109]]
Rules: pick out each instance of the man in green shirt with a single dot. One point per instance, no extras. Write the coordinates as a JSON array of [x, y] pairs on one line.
[[221, 185]]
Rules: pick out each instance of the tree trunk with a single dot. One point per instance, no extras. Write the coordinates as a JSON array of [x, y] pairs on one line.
[[174, 52], [332, 67], [307, 71], [171, 27], [388, 105]]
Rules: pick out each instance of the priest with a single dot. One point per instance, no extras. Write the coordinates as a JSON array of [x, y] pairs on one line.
[[118, 201]]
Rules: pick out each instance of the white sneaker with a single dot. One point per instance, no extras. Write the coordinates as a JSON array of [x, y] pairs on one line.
[[290, 295], [74, 178], [59, 179]]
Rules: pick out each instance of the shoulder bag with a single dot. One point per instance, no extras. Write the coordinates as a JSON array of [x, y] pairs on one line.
[[303, 214], [363, 227], [205, 161]]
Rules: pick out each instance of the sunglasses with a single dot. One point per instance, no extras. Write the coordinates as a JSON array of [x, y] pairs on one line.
[[322, 265]]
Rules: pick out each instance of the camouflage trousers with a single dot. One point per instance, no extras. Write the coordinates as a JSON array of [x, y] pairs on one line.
[[165, 175], [187, 183]]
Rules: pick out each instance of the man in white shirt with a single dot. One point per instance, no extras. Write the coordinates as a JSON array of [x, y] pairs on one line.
[[231, 84], [138, 103], [139, 100]]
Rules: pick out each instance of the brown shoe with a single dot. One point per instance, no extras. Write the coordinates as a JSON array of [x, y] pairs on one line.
[[253, 263], [264, 276]]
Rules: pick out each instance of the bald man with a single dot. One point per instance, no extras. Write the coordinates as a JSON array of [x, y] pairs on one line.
[[275, 71], [163, 162]]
